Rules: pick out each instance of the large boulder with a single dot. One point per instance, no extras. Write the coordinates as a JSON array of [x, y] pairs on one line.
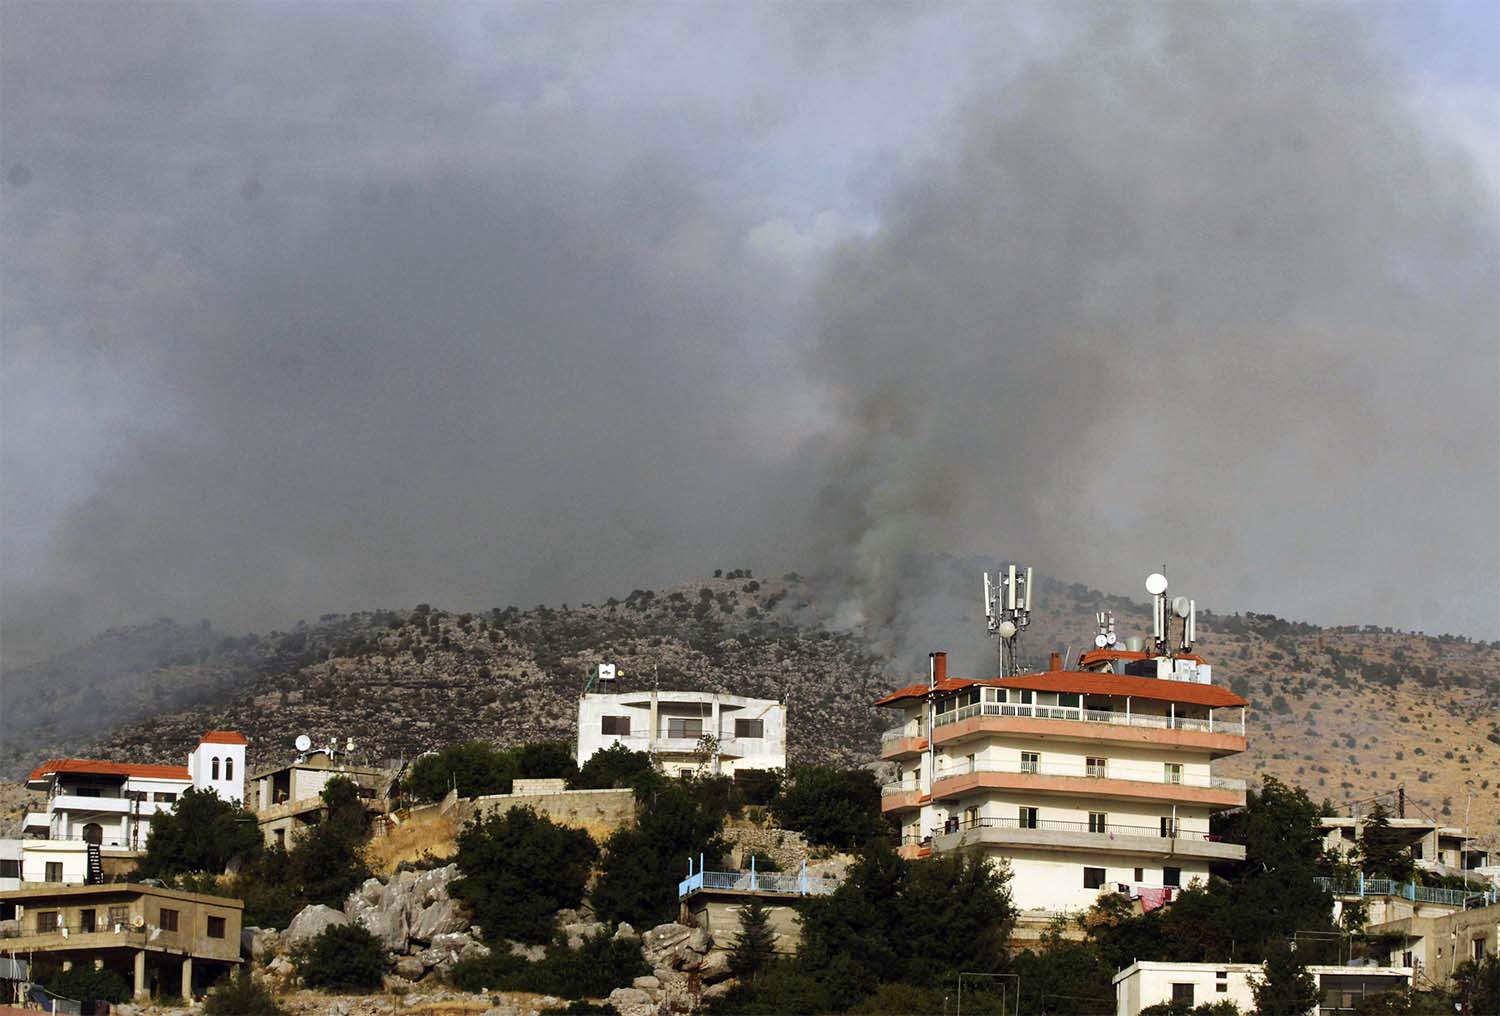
[[632, 1002], [580, 931], [715, 967], [390, 926], [626, 933], [529, 953], [367, 895], [259, 943], [432, 886], [660, 944], [410, 968], [310, 922], [440, 917], [461, 944]]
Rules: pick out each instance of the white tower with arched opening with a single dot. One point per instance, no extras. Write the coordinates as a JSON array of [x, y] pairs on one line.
[[218, 764]]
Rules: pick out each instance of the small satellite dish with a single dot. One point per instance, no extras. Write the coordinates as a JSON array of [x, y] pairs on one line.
[[1006, 629], [606, 671], [1113, 638], [1101, 640], [1156, 583], [138, 921], [349, 744], [1180, 606], [303, 742]]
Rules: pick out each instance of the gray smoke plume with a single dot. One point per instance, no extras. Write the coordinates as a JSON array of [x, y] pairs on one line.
[[318, 307]]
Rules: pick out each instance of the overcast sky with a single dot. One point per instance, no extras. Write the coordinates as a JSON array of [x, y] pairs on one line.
[[320, 307]]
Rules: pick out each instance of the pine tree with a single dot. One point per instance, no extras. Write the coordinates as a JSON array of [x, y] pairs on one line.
[[1285, 987], [757, 944], [1383, 854]]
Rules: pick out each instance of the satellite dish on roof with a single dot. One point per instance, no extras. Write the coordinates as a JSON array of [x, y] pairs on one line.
[[1101, 640], [303, 742], [1180, 606], [1006, 629], [1156, 583]]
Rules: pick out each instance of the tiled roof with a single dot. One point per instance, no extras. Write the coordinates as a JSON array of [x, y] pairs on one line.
[[90, 767], [223, 737], [915, 691], [1158, 689]]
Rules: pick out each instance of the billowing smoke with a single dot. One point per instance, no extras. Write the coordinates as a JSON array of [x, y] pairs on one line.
[[315, 308]]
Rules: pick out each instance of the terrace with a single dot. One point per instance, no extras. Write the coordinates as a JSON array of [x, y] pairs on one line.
[[1362, 887], [1154, 841], [758, 882]]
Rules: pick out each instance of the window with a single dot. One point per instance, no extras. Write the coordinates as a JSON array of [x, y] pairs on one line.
[[1068, 700], [618, 726], [54, 871], [1096, 822], [1182, 994], [971, 816], [681, 726], [87, 791], [47, 920], [1096, 767], [1140, 874], [750, 728], [1222, 984], [1026, 696], [229, 768], [167, 920], [86, 919], [1173, 772], [216, 927], [1031, 762], [163, 798], [216, 769], [10, 868], [281, 838], [1093, 878], [118, 915], [1406, 958], [1168, 826], [1479, 950], [1171, 876], [1028, 818]]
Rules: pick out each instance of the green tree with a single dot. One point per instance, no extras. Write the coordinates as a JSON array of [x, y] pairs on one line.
[[1065, 977], [1285, 988], [83, 982], [1383, 852], [474, 768], [240, 994], [642, 866], [756, 946], [837, 807], [344, 957], [327, 863], [616, 767], [1476, 986], [545, 760], [518, 869], [200, 834]]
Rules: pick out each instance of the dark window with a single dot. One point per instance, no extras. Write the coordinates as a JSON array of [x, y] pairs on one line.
[[216, 769], [87, 792], [1182, 994], [229, 768], [216, 927], [54, 871], [750, 728], [1068, 700], [1171, 876], [1479, 950], [619, 726], [168, 920], [10, 868], [1140, 874], [118, 915], [86, 919], [281, 837], [679, 726], [1028, 818], [46, 920], [1168, 827], [1093, 878], [1096, 767], [1096, 822], [164, 798], [1030, 762]]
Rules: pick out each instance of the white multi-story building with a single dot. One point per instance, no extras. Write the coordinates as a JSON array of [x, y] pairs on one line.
[[110, 804], [687, 732], [1086, 781], [1340, 988]]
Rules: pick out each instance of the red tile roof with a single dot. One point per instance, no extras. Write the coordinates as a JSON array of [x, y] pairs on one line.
[[1118, 684], [90, 767], [223, 737], [946, 686]]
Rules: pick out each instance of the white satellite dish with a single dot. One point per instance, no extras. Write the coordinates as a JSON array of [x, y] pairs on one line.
[[1180, 606], [303, 742], [1006, 629], [349, 744], [1156, 583], [606, 671], [1112, 638], [1101, 640]]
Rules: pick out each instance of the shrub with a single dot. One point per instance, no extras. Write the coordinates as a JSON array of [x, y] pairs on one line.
[[200, 834], [84, 982], [344, 957], [836, 807], [616, 767], [756, 946], [475, 768], [600, 965], [642, 866], [518, 869], [240, 994]]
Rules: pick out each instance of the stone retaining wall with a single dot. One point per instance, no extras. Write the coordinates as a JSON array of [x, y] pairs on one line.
[[597, 810]]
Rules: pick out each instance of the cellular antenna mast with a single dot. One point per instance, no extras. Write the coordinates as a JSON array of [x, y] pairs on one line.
[[1007, 613]]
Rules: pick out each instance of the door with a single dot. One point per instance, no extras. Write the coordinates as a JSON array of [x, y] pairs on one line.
[[86, 920]]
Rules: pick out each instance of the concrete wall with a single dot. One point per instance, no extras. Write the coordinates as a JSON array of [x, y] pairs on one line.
[[1146, 984], [1052, 880], [595, 809], [649, 714], [720, 917], [1439, 944]]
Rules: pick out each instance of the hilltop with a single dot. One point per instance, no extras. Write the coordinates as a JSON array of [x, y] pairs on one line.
[[1345, 712]]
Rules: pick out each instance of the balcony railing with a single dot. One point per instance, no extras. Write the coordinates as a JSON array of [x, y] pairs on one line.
[[778, 883], [1059, 825], [900, 787], [1116, 771], [1076, 713], [900, 731], [1409, 890]]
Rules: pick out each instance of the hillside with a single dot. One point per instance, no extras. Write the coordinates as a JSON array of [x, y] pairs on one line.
[[1346, 713]]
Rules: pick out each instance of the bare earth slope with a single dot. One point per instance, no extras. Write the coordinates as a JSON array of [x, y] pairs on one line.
[[1345, 713]]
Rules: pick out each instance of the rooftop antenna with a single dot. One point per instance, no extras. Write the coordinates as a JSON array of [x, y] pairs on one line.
[[1007, 612], [1156, 585], [1106, 638], [303, 743]]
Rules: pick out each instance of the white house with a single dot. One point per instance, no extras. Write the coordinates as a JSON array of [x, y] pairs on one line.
[[686, 731], [1340, 988], [110, 804]]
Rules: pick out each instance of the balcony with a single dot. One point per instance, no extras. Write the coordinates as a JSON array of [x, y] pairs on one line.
[[902, 741], [1362, 887], [1214, 734], [1109, 839], [1123, 780], [901, 795], [767, 883]]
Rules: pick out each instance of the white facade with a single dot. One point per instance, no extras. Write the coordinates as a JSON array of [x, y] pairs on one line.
[[10, 864], [218, 764], [1107, 787], [672, 725], [1144, 984]]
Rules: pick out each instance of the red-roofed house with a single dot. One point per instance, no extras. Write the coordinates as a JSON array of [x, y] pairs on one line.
[[1085, 780], [110, 804]]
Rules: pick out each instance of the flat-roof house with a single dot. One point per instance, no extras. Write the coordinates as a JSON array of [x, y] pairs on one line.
[[1340, 988], [287, 799], [686, 731]]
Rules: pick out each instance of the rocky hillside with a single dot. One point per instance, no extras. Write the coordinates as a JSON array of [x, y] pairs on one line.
[[1348, 713]]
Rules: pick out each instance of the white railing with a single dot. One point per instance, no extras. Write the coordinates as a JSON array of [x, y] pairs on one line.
[[896, 733], [1138, 773], [900, 787], [1075, 713]]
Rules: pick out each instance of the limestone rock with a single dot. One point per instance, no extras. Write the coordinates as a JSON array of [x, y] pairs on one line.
[[718, 990], [260, 943], [310, 922], [389, 926], [664, 936], [440, 917], [646, 982], [700, 941], [626, 933], [531, 953], [632, 1002], [432, 886], [715, 967], [410, 968]]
